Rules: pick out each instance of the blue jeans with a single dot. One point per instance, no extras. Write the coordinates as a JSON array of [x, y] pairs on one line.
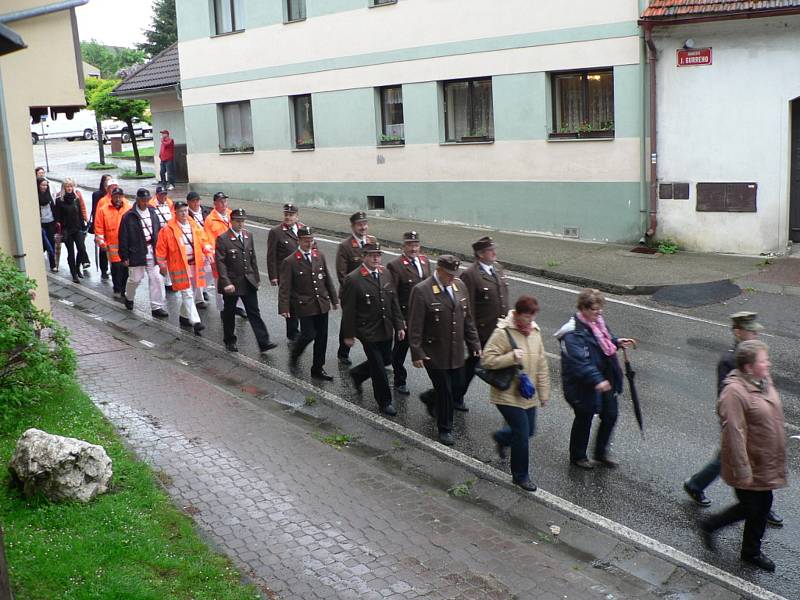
[[167, 172], [705, 476], [521, 425]]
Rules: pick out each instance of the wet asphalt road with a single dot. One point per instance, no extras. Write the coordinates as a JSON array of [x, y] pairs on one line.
[[675, 366]]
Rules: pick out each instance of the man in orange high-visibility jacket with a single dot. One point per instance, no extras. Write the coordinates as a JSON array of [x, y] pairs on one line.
[[218, 222], [165, 209], [181, 251], [106, 235]]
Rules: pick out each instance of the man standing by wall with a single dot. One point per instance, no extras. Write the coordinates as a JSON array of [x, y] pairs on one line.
[[282, 242], [166, 156]]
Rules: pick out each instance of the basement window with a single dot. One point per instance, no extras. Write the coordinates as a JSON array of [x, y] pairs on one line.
[[375, 203]]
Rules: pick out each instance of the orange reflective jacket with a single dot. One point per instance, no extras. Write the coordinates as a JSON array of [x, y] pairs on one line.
[[106, 228], [171, 254], [162, 217]]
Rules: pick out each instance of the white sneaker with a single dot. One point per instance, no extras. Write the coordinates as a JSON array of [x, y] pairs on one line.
[[170, 187]]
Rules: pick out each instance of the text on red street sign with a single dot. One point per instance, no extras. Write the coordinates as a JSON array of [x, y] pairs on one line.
[[694, 58]]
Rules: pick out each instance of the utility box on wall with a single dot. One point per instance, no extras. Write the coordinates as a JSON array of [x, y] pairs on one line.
[[181, 167]]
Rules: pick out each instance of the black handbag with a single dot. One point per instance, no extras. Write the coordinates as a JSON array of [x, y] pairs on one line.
[[500, 378]]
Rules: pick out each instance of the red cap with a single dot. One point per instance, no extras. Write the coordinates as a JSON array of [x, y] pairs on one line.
[[164, 131]]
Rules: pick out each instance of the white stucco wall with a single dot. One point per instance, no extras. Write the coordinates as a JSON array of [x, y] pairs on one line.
[[728, 122]]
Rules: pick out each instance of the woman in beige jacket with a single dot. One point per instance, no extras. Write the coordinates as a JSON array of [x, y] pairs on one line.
[[519, 412], [753, 453]]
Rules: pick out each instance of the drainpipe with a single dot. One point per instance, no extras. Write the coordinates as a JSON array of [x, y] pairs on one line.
[[651, 63], [19, 255]]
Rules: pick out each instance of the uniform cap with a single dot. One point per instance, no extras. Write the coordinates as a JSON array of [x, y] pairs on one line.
[[238, 213], [372, 248], [448, 263], [220, 196], [746, 320], [160, 189], [117, 192], [289, 208], [485, 243], [410, 236], [179, 204], [357, 217], [192, 196], [305, 231], [143, 193]]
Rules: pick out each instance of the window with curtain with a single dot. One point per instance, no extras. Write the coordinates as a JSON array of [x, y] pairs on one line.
[[303, 122], [295, 10], [236, 127], [469, 115], [392, 127], [583, 103], [228, 15]]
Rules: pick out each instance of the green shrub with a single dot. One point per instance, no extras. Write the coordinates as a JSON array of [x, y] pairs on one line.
[[36, 361], [133, 175], [668, 246], [96, 166]]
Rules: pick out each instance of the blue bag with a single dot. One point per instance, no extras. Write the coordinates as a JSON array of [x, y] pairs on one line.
[[526, 387]]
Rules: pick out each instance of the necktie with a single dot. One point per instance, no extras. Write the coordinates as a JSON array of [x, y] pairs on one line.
[[308, 257], [415, 262], [375, 275], [241, 241], [362, 243], [450, 293]]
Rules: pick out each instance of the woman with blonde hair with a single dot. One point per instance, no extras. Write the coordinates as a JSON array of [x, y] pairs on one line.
[[518, 341]]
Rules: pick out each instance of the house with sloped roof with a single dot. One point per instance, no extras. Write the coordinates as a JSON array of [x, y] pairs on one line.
[[725, 106], [159, 81]]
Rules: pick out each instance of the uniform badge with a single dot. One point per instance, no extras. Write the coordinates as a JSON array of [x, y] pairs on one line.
[[319, 276], [436, 289]]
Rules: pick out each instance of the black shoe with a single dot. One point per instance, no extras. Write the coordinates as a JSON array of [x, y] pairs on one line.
[[707, 535], [462, 407], [86, 267], [268, 347], [427, 400], [168, 288], [356, 383], [502, 450], [205, 297], [321, 374], [760, 561], [389, 410], [345, 360], [201, 305], [774, 519], [583, 463], [698, 496], [54, 269], [159, 313], [446, 438], [184, 322], [402, 389], [79, 274], [198, 327], [128, 304], [606, 462], [75, 279], [231, 347], [240, 312], [104, 275], [293, 357], [526, 484]]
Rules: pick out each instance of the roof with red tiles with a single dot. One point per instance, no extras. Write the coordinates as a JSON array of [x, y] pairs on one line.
[[678, 9]]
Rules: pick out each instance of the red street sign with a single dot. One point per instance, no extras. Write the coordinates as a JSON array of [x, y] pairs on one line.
[[694, 58]]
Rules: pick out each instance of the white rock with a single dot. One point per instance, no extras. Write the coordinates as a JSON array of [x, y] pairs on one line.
[[61, 468]]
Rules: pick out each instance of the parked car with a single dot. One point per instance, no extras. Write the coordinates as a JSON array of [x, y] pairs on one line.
[[117, 128], [80, 127]]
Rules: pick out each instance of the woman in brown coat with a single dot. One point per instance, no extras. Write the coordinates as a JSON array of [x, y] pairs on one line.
[[519, 412], [753, 451]]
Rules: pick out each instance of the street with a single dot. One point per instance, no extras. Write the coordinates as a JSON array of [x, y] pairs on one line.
[[675, 365]]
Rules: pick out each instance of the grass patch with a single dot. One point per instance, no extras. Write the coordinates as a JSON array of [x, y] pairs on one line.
[[96, 166], [668, 246], [553, 263], [462, 490], [143, 153], [129, 543], [310, 400], [335, 440], [133, 175]]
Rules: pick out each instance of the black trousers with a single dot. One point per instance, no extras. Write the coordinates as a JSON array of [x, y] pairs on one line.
[[50, 233], [292, 328], [379, 354], [102, 260], [313, 329], [344, 349], [469, 371], [448, 385], [119, 277], [582, 428], [250, 301], [399, 353], [753, 508], [75, 251], [83, 256]]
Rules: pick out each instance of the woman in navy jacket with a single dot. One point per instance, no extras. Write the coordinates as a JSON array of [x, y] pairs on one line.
[[591, 377]]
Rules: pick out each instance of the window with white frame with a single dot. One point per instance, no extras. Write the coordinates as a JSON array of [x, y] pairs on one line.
[[468, 112], [235, 127], [228, 16], [583, 103], [392, 126], [295, 10], [303, 118]]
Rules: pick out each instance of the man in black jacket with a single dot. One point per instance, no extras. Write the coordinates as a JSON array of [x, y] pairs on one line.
[[138, 234]]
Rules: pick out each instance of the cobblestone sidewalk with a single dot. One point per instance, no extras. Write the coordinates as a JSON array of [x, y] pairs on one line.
[[304, 519]]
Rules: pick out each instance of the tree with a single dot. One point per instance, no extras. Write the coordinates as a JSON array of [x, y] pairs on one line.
[[106, 106], [163, 30], [110, 59], [89, 89]]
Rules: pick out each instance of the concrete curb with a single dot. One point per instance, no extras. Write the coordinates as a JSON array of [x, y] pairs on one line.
[[609, 543]]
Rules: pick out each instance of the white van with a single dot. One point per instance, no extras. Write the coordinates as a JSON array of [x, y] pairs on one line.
[[80, 127]]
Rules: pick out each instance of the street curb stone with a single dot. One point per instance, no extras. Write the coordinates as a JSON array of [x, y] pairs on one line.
[[616, 545]]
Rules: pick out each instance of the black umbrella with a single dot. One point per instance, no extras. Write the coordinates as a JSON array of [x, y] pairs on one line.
[[631, 375]]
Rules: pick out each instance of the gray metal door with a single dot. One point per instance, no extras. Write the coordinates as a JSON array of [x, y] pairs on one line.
[[794, 181]]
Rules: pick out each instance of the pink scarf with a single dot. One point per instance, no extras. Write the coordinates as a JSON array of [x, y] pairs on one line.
[[524, 329], [601, 334]]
